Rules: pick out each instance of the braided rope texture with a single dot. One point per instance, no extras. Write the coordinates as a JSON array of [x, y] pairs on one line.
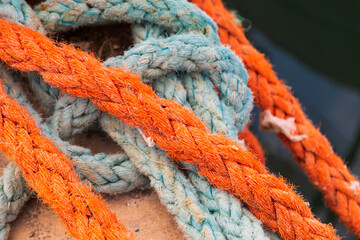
[[172, 127], [158, 66], [172, 186], [227, 210], [176, 16], [149, 58], [314, 154], [21, 12], [49, 172], [108, 174], [170, 16], [131, 59]]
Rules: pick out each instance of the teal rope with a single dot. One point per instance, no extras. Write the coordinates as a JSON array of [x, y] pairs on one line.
[[173, 15], [178, 16], [70, 127], [191, 54], [21, 12]]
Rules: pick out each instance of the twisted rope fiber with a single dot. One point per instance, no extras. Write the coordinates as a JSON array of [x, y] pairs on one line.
[[234, 210], [156, 69], [207, 187], [49, 172], [108, 174], [135, 149], [151, 52], [173, 16], [78, 13], [168, 15], [159, 174], [151, 168], [248, 231], [173, 128], [21, 12], [314, 153], [170, 184], [245, 223], [192, 225], [176, 16], [74, 7]]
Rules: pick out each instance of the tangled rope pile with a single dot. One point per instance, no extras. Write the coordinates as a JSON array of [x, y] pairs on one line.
[[222, 161], [226, 209], [201, 66]]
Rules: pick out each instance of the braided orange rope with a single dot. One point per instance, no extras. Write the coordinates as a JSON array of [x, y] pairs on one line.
[[48, 172], [254, 144], [222, 161], [314, 153]]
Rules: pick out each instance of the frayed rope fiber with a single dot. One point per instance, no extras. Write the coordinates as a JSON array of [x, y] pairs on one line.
[[314, 153], [173, 128]]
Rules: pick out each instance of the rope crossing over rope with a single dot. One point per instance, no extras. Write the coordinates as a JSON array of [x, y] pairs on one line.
[[173, 128], [226, 209], [214, 159]]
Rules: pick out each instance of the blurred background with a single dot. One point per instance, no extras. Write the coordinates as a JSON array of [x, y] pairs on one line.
[[314, 47]]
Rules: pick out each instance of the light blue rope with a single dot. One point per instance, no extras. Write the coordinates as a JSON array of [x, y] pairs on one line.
[[194, 76], [177, 16], [174, 16], [21, 12]]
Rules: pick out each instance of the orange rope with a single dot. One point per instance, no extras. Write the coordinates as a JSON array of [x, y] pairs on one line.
[[222, 161], [252, 142], [48, 172], [314, 153]]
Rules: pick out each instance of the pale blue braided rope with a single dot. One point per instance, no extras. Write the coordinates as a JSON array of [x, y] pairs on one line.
[[21, 12], [174, 16]]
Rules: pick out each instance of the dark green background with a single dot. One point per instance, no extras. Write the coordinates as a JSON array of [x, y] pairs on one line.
[[325, 34]]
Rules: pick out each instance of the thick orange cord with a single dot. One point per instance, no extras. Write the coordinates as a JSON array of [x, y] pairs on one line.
[[314, 153], [49, 173], [222, 161], [252, 142]]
